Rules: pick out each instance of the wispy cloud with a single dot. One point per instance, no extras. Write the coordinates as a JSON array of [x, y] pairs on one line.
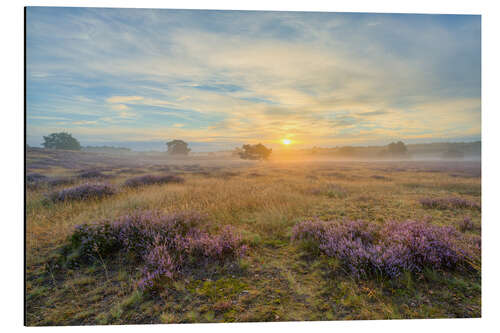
[[124, 99], [373, 113], [119, 107]]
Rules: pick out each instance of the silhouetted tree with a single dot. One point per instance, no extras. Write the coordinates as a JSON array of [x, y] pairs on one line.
[[255, 152], [61, 140], [177, 147], [397, 148]]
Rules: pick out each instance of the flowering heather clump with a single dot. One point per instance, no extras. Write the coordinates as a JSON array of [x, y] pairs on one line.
[[130, 170], [35, 177], [254, 174], [82, 192], [167, 245], [413, 245], [336, 175], [366, 248], [330, 190], [153, 179], [92, 174], [448, 203], [164, 168], [60, 181], [35, 180], [310, 230], [466, 225], [88, 242], [378, 177]]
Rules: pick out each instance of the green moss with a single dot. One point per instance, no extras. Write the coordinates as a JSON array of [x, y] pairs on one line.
[[102, 319], [168, 318], [192, 317], [275, 243], [37, 292], [221, 288], [133, 300]]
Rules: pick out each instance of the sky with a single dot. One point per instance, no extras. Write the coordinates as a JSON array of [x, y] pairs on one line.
[[138, 78]]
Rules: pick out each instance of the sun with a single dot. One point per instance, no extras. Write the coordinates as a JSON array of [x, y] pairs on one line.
[[286, 141]]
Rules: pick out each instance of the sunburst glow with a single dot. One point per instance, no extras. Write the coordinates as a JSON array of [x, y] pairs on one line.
[[286, 141]]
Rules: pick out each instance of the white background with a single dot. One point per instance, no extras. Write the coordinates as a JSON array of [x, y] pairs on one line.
[[11, 184]]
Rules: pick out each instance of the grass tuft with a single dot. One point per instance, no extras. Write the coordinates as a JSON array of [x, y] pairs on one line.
[[153, 179]]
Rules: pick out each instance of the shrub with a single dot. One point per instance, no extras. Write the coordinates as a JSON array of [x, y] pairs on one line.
[[330, 190], [164, 168], [82, 192], [89, 242], [366, 248], [337, 175], [35, 180], [167, 245], [130, 170], [448, 203], [92, 174], [60, 181], [254, 174], [378, 177], [414, 245], [466, 225], [153, 179], [35, 177]]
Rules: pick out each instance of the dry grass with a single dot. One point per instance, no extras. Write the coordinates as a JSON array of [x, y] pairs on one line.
[[277, 281]]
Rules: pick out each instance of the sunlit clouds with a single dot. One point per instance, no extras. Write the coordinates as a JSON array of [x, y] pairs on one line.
[[219, 79]]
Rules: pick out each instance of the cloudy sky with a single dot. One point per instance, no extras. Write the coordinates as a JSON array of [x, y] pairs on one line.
[[218, 79]]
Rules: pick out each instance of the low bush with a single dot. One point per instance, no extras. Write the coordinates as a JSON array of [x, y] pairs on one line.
[[378, 177], [35, 180], [367, 248], [254, 174], [60, 181], [43, 182], [153, 179], [164, 168], [448, 203], [166, 245], [130, 171], [82, 192], [337, 175], [330, 190], [466, 225], [35, 177], [92, 174]]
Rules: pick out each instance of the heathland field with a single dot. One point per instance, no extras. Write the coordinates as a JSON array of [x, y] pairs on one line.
[[218, 239]]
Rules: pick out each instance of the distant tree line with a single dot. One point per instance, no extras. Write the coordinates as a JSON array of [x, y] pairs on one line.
[[450, 150], [457, 150], [66, 141], [106, 149]]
